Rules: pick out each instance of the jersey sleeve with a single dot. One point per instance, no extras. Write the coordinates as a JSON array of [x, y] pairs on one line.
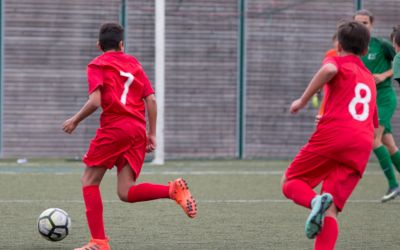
[[331, 60], [94, 77], [147, 88], [396, 68], [388, 50]]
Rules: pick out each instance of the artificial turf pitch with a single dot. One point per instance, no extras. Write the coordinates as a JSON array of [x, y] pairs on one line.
[[240, 206]]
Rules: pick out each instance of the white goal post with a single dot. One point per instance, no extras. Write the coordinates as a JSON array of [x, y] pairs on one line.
[[160, 78]]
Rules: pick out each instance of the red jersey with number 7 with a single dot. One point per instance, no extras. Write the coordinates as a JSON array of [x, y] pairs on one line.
[[123, 86], [346, 130]]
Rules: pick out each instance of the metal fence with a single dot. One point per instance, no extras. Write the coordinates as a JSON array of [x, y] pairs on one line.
[[232, 69]]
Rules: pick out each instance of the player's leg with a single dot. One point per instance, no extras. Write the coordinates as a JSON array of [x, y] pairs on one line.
[[303, 174], [91, 180], [385, 162], [394, 152], [319, 206], [298, 191], [328, 236], [104, 151], [177, 190], [387, 104], [128, 191], [340, 183]]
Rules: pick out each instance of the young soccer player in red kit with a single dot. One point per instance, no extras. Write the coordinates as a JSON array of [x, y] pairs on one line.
[[337, 153], [119, 85]]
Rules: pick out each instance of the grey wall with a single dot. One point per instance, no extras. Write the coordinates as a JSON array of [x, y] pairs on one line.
[[47, 46], [49, 42], [286, 44]]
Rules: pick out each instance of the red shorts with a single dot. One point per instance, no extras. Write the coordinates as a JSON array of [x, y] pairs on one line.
[[116, 146], [337, 179]]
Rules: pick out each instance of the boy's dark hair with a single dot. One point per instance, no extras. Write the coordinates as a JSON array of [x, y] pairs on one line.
[[110, 35], [395, 35], [353, 37], [334, 36], [365, 12]]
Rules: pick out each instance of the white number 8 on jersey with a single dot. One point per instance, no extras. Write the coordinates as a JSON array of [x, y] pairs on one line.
[[362, 100]]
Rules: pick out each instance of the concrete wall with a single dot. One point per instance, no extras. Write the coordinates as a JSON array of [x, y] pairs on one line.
[[49, 42]]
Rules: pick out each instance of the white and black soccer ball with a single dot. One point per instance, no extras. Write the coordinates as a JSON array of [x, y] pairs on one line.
[[54, 224]]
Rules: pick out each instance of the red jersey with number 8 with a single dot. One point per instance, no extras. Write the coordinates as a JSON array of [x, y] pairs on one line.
[[346, 130], [123, 86]]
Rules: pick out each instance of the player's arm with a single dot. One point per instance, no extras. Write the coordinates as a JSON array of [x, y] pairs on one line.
[[151, 106], [389, 54], [324, 75], [92, 104], [379, 78]]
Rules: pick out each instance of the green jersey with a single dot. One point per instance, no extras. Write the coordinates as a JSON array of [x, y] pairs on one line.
[[396, 68], [379, 58]]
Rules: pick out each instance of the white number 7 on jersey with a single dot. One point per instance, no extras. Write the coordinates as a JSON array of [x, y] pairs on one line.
[[127, 84]]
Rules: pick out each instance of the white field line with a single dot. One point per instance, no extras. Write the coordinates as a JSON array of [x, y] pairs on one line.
[[266, 172], [199, 201]]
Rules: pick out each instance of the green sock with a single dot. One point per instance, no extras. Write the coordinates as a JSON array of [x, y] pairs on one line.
[[396, 160], [386, 164]]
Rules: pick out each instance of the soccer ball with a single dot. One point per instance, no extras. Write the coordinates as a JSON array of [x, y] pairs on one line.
[[54, 224]]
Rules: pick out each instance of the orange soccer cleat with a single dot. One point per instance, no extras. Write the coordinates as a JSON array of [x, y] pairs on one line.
[[96, 244], [179, 191]]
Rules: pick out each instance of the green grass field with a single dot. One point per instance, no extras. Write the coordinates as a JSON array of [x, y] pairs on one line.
[[240, 206]]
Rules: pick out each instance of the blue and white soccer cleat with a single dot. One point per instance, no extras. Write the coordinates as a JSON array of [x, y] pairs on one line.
[[315, 220]]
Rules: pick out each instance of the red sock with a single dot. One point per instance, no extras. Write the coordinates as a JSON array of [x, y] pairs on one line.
[[147, 191], [300, 192], [94, 211], [326, 239]]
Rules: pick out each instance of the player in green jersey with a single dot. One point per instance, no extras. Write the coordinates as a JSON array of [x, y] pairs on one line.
[[379, 61], [395, 37]]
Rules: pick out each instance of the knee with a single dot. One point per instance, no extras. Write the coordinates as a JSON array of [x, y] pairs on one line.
[[284, 186], [88, 180], [123, 193], [123, 196], [392, 149], [92, 177], [283, 181]]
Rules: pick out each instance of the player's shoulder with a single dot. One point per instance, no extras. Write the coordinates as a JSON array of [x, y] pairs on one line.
[[381, 41], [396, 62], [112, 58], [97, 61], [375, 40], [130, 57], [350, 62], [397, 58], [133, 60]]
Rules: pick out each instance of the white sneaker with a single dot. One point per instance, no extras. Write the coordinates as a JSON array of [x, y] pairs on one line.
[[391, 194]]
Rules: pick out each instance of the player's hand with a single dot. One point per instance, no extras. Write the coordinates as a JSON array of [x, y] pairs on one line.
[[69, 125], [296, 106], [151, 143], [379, 78]]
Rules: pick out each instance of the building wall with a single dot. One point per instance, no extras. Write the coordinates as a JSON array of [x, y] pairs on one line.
[[48, 44], [287, 41]]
